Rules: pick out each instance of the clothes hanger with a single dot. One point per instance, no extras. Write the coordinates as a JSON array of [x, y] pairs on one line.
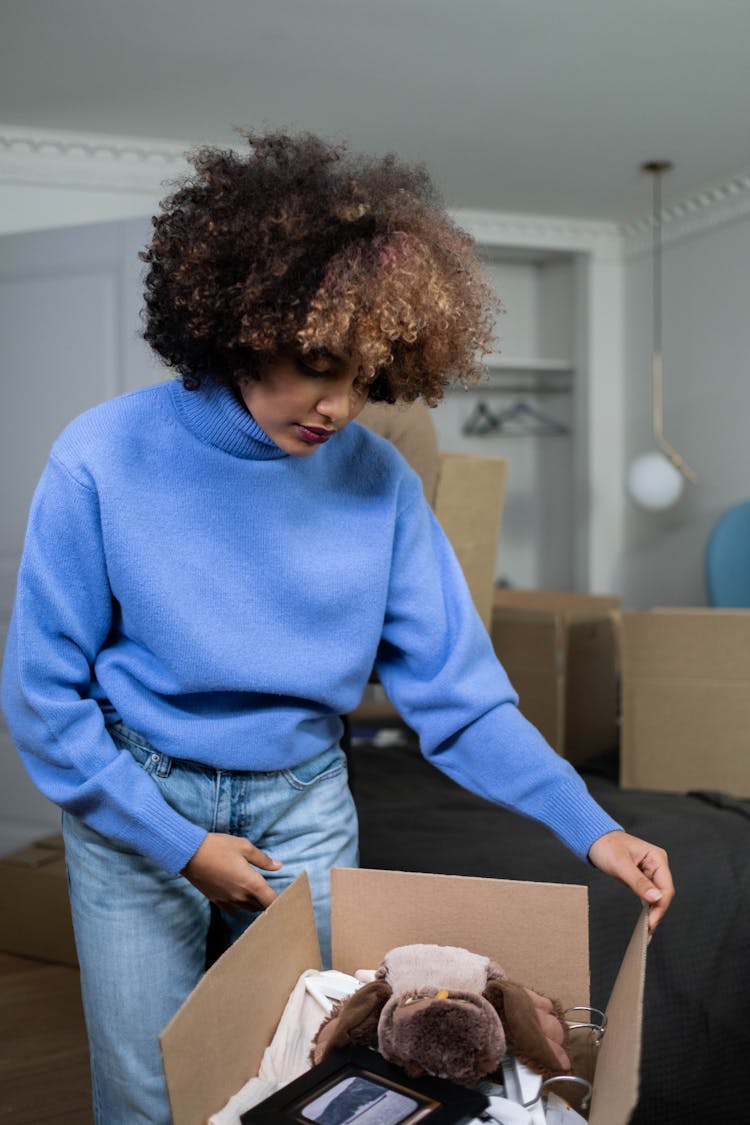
[[481, 421], [543, 424]]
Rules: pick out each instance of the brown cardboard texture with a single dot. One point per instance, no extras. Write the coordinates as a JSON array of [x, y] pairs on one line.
[[36, 921], [469, 507], [559, 650], [686, 700], [537, 931]]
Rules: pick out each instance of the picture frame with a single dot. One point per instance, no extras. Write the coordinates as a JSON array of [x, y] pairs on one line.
[[357, 1086]]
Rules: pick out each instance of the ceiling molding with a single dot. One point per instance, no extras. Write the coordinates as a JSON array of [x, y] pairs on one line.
[[551, 233], [52, 158], [703, 211], [90, 161]]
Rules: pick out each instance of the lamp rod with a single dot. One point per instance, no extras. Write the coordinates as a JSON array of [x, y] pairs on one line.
[[656, 169]]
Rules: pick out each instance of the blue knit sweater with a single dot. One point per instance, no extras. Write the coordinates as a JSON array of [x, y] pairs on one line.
[[228, 601]]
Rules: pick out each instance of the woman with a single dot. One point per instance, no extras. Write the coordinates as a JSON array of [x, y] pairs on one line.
[[214, 564]]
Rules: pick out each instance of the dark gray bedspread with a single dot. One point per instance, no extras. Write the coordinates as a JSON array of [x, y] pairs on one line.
[[696, 1032]]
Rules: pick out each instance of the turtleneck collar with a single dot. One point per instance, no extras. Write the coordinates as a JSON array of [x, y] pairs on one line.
[[217, 418]]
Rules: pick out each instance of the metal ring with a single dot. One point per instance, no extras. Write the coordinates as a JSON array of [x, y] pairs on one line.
[[602, 1024], [598, 1031], [569, 1078]]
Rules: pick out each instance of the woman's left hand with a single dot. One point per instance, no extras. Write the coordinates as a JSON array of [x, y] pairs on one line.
[[639, 865]]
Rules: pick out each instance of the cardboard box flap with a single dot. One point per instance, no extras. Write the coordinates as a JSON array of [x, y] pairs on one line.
[[617, 1069], [215, 1042], [523, 926]]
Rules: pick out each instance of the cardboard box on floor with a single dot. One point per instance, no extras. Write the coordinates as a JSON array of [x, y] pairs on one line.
[[538, 932], [559, 651], [686, 700], [33, 885], [469, 507]]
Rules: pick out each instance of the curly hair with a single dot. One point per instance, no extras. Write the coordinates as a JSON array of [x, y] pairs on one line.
[[301, 247]]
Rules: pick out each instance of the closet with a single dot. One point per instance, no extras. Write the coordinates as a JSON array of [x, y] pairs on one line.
[[524, 411]]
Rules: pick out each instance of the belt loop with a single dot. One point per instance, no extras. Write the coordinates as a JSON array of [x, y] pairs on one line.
[[164, 767]]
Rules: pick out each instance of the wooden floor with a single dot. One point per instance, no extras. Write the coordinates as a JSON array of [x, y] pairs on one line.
[[44, 1068]]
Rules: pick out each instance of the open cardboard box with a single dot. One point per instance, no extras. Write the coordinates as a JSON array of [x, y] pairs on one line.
[[559, 650], [685, 700], [538, 932]]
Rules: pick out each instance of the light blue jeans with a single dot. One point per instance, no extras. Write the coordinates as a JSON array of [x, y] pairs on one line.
[[141, 933]]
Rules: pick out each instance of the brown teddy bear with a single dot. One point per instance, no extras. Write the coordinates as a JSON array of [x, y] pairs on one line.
[[450, 1013]]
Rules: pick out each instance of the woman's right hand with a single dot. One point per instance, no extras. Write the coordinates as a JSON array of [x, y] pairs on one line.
[[223, 869]]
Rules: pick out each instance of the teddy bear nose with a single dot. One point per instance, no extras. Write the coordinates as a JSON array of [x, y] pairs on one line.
[[415, 997], [422, 1006]]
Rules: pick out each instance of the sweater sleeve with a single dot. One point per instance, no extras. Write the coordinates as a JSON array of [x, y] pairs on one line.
[[61, 620], [437, 664]]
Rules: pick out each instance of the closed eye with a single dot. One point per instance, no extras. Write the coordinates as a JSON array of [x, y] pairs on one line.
[[317, 364], [308, 369]]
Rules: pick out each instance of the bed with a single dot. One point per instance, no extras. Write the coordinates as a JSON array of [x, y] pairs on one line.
[[696, 1030]]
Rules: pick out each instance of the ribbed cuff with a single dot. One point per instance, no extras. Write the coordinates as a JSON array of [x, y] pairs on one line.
[[167, 838]]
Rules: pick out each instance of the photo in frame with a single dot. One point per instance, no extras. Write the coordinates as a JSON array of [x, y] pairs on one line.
[[357, 1086]]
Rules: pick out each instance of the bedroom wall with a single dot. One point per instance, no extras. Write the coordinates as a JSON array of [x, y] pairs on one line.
[[35, 207], [706, 348]]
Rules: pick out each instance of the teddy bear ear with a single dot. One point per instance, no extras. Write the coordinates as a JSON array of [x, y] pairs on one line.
[[535, 1030], [354, 1020]]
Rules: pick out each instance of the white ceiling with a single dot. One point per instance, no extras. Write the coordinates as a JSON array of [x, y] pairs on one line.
[[546, 106]]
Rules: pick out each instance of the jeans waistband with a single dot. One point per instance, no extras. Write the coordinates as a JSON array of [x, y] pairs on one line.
[[159, 764]]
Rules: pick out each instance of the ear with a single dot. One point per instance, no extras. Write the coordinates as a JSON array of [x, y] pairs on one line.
[[354, 1020], [534, 1026]]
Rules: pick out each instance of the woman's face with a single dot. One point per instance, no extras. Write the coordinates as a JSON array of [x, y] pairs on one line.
[[302, 401]]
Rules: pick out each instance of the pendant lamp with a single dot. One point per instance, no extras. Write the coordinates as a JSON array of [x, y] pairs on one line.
[[656, 479]]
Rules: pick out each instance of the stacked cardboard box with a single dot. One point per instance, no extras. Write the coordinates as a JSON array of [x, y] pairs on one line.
[[34, 887], [560, 653], [686, 700], [469, 507], [537, 932]]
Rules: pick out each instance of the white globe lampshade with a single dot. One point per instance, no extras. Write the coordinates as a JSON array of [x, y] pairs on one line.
[[653, 482]]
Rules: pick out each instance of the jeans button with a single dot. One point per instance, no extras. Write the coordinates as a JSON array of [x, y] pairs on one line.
[[154, 757]]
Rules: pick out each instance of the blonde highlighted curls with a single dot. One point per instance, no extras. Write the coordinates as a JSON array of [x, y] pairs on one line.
[[300, 246]]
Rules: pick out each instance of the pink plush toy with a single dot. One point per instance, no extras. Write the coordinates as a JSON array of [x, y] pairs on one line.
[[441, 1010]]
